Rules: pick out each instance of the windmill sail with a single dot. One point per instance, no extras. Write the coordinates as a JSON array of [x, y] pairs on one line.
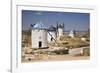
[[53, 38]]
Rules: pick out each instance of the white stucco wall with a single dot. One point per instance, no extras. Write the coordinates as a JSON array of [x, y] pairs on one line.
[[53, 33], [60, 32], [71, 35], [39, 35], [76, 51]]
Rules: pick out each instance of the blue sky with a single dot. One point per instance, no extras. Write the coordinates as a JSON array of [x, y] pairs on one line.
[[72, 21]]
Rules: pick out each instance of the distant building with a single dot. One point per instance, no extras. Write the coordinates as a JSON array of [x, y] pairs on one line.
[[72, 33], [39, 36], [60, 29]]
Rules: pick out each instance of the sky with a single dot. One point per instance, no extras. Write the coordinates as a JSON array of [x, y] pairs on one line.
[[72, 21]]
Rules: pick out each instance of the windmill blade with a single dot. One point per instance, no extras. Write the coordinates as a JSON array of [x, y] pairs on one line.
[[31, 25], [53, 38]]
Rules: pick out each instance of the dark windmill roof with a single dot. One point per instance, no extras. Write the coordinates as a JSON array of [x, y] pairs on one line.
[[60, 26], [52, 28]]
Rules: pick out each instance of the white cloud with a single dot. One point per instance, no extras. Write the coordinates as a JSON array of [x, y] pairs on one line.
[[39, 13]]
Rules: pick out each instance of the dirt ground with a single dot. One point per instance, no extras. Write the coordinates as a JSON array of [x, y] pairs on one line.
[[43, 58]]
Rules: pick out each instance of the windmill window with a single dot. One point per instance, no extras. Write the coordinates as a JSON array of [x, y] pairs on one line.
[[40, 37], [52, 39]]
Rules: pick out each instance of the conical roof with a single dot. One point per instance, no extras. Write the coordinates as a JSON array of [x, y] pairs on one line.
[[39, 25], [60, 26]]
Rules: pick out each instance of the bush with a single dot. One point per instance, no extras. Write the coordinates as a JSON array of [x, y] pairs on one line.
[[61, 52], [86, 51]]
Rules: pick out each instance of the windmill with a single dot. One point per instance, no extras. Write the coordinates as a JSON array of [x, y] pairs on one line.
[[53, 38]]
